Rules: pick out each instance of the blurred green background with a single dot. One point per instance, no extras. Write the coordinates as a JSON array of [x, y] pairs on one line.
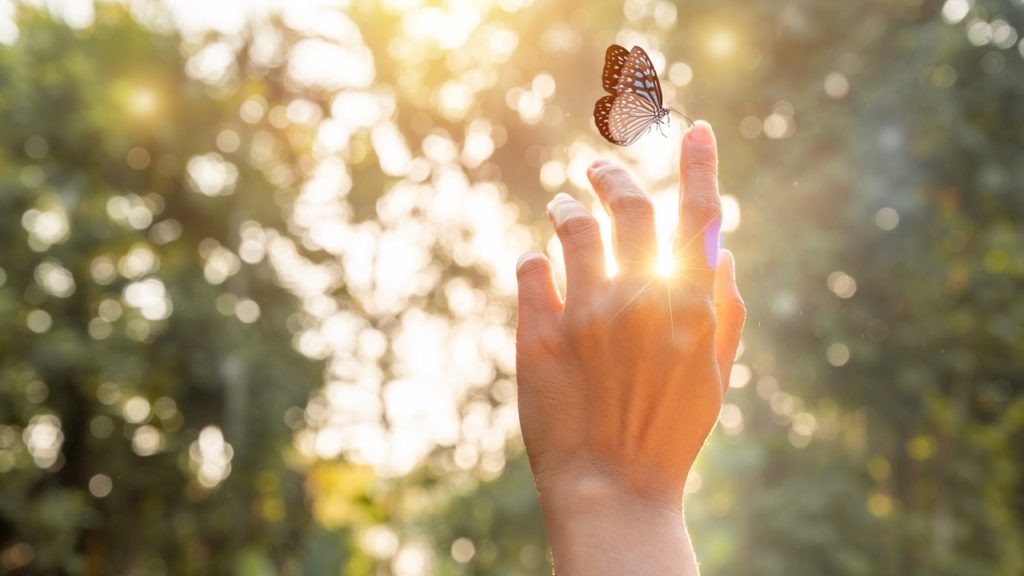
[[257, 278]]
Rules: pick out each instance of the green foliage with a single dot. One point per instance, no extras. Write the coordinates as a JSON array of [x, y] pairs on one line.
[[98, 185], [933, 374], [501, 519]]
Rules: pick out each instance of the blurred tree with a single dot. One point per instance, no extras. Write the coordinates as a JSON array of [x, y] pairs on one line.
[[884, 334], [194, 210], [146, 358]]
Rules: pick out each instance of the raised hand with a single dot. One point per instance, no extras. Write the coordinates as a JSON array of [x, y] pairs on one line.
[[620, 383]]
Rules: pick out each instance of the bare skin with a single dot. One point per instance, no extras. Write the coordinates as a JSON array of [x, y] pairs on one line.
[[621, 382]]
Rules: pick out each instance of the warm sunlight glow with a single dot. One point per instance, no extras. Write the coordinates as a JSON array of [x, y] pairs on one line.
[[666, 264], [666, 220], [604, 222], [730, 213], [143, 102], [666, 215], [722, 43]]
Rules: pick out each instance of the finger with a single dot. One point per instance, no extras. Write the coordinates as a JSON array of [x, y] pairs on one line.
[[539, 303], [632, 216], [581, 244], [730, 313], [700, 217]]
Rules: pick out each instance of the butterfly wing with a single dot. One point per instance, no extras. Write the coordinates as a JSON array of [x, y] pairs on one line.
[[635, 102], [630, 117], [614, 59], [602, 110], [624, 118], [638, 77]]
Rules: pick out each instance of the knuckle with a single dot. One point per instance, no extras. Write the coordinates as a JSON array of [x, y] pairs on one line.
[[731, 310], [702, 163], [581, 226], [739, 309], [644, 305], [632, 204], [702, 208], [582, 328], [698, 312], [538, 342]]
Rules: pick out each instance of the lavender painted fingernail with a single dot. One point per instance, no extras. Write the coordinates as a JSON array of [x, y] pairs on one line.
[[712, 242]]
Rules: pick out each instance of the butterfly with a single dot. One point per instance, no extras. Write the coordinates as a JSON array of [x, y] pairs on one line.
[[635, 103]]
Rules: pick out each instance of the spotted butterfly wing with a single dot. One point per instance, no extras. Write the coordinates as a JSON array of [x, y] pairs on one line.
[[614, 60], [623, 119], [602, 111], [635, 102], [639, 77]]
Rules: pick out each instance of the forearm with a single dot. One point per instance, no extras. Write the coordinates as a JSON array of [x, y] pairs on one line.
[[596, 530]]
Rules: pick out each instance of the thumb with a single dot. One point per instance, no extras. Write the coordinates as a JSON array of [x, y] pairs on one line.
[[730, 313]]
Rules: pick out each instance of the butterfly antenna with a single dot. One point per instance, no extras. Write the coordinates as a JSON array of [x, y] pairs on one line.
[[683, 115]]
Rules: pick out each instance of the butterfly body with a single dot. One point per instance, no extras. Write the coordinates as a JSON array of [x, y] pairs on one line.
[[634, 103]]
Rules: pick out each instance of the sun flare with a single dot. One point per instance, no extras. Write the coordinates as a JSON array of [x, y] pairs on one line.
[[665, 266]]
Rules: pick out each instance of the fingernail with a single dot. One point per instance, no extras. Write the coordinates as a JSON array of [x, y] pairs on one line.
[[525, 257], [560, 197], [700, 133], [712, 242], [598, 163]]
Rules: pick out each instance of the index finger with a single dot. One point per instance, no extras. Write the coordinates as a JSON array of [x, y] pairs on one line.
[[700, 217]]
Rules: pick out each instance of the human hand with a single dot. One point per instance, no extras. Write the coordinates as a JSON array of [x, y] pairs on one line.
[[620, 385]]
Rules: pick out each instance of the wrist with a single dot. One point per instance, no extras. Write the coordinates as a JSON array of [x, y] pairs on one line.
[[596, 526], [592, 492], [589, 486]]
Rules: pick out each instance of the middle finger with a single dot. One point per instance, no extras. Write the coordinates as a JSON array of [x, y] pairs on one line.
[[632, 216]]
